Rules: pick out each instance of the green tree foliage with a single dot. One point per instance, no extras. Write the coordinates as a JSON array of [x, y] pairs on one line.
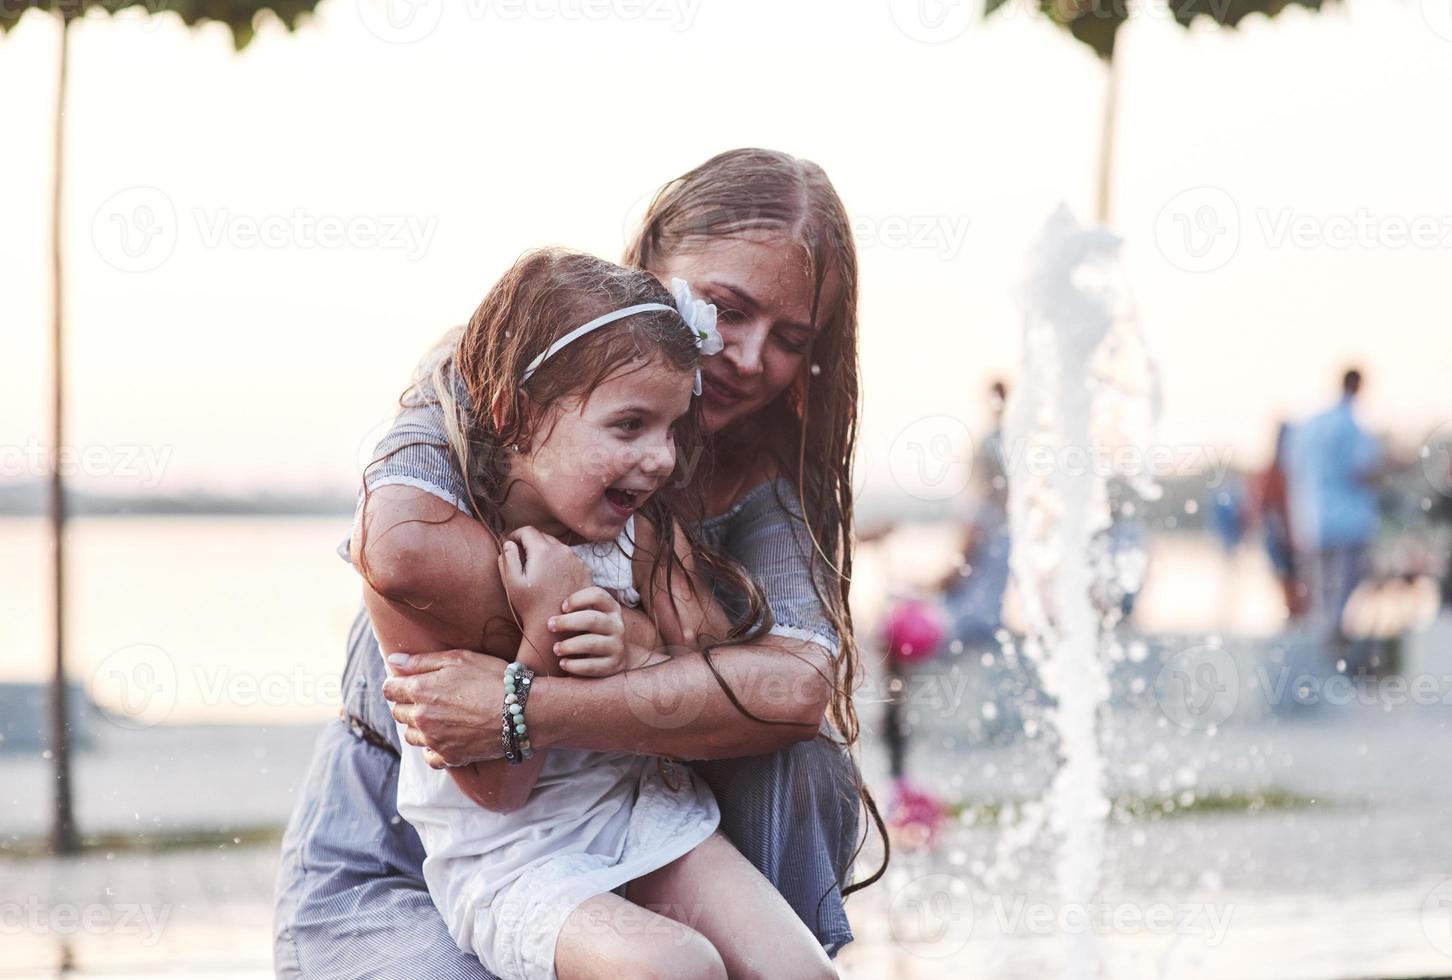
[[239, 15], [1096, 22]]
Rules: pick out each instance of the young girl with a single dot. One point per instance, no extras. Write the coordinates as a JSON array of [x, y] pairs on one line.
[[580, 374]]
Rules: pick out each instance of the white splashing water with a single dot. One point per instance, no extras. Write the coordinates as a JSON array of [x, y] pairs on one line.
[[1086, 398]]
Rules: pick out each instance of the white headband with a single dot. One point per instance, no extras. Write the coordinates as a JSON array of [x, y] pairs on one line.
[[699, 317]]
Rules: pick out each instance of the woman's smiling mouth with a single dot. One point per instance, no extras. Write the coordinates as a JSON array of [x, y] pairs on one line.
[[720, 392]]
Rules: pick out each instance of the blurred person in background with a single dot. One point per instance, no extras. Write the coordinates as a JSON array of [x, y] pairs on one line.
[[1273, 512], [973, 592], [1333, 464]]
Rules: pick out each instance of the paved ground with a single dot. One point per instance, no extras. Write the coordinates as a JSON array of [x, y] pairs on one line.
[[1346, 871]]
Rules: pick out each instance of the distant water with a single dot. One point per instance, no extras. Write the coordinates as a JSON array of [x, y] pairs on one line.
[[187, 619], [243, 619]]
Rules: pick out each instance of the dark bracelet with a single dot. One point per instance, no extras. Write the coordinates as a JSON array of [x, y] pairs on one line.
[[513, 733]]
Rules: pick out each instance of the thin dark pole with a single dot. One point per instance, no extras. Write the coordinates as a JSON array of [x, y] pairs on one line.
[[895, 725], [1103, 191], [63, 839]]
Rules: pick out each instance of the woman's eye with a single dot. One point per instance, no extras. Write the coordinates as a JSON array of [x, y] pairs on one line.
[[792, 346], [728, 315], [628, 425]]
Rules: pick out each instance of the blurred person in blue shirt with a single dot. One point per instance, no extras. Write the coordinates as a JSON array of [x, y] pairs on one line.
[[1332, 464], [973, 592]]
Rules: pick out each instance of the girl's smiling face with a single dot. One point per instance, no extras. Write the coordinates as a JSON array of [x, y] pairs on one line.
[[592, 463], [762, 288]]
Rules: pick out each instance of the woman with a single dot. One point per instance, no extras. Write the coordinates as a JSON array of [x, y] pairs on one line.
[[765, 238]]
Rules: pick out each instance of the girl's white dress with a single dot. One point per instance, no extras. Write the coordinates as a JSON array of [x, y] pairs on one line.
[[505, 883]]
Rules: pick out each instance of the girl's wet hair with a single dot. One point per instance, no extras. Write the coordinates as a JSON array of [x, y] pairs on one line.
[[473, 377], [543, 296]]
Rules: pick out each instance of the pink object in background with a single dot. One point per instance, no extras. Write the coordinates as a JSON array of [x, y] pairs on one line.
[[914, 630], [916, 816]]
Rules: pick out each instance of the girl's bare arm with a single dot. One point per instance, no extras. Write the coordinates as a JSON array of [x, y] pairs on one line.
[[495, 784], [438, 598], [440, 563]]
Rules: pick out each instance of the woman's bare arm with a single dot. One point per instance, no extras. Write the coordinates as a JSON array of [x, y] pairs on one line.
[[675, 708]]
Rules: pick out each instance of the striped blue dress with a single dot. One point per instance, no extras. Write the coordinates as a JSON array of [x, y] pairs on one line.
[[351, 900]]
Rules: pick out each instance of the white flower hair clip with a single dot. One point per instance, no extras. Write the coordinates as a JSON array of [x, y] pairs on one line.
[[699, 317]]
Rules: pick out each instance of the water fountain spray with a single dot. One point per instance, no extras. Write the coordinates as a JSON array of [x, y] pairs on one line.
[[1079, 418]]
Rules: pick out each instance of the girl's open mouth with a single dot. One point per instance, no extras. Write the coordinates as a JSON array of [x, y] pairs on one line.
[[625, 501]]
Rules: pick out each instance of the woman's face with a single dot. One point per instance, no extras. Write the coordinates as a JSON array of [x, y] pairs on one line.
[[762, 288]]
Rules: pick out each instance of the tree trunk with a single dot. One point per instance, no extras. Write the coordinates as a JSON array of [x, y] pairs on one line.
[[1102, 191], [63, 838]]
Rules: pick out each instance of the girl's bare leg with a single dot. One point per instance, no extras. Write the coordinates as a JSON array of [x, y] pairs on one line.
[[716, 892], [608, 938]]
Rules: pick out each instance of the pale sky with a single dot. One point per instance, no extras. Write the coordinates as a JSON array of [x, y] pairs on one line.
[[239, 365]]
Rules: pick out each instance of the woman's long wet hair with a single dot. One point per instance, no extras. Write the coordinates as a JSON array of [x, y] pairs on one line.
[[810, 428]]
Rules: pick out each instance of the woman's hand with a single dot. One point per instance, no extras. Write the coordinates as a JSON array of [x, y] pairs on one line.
[[450, 702], [539, 572], [599, 647]]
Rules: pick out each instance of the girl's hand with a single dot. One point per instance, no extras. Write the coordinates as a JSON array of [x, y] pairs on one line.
[[598, 647], [539, 571]]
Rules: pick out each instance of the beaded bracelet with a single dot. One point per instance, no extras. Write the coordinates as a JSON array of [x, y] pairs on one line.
[[513, 733]]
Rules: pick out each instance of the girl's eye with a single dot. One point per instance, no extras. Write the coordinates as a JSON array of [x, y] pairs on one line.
[[628, 425], [728, 315]]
